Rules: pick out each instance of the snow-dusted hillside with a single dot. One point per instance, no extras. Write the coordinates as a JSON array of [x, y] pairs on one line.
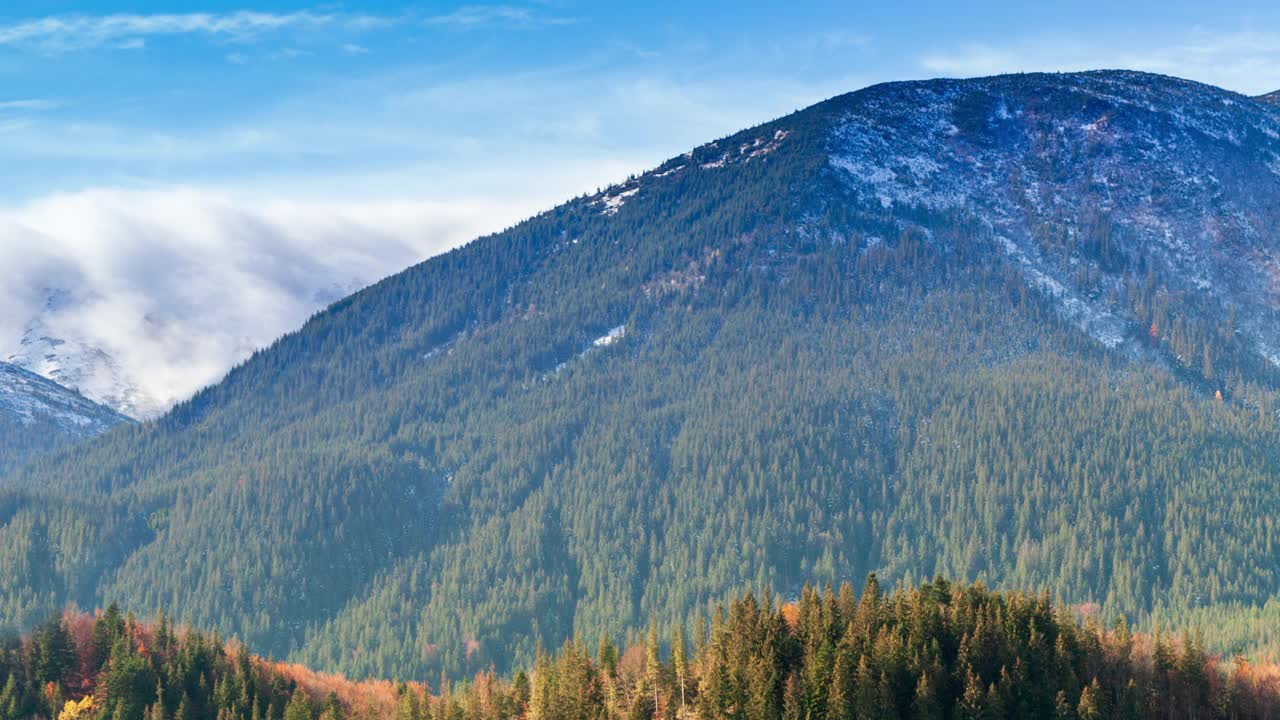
[[27, 398], [1153, 177]]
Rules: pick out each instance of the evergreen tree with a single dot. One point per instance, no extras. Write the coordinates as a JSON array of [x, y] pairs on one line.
[[1061, 708], [1090, 705], [299, 707], [972, 705], [792, 700], [679, 664], [653, 667], [924, 703], [52, 651], [106, 631]]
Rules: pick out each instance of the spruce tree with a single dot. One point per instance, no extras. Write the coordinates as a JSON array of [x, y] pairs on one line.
[[1090, 705], [924, 703], [299, 707], [653, 666], [679, 664]]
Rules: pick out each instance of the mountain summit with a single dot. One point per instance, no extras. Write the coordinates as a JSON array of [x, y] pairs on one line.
[[1020, 329]]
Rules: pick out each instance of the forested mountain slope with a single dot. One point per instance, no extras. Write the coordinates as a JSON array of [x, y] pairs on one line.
[[39, 415], [1019, 329]]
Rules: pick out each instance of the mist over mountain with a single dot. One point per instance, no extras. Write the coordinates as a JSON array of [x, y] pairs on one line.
[[1020, 329], [140, 298]]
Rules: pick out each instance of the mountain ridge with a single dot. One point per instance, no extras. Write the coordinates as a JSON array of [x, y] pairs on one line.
[[39, 415], [849, 339]]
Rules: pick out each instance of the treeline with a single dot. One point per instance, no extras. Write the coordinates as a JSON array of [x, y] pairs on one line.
[[935, 651], [938, 650], [110, 666]]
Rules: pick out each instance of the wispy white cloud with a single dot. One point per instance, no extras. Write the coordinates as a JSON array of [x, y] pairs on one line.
[[1245, 61], [475, 15], [27, 105], [176, 286], [64, 33]]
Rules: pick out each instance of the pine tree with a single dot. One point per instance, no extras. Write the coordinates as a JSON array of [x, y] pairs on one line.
[[972, 704], [679, 664], [840, 698], [1123, 638], [332, 708], [866, 690], [106, 631], [653, 666], [607, 655], [53, 652], [792, 699], [541, 696], [1090, 705], [520, 691], [924, 704], [299, 707], [9, 698]]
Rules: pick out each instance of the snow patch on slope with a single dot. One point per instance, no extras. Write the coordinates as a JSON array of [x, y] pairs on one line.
[[1099, 324], [613, 202], [610, 337], [27, 397]]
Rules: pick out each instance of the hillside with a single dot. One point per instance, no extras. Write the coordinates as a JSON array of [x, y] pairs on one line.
[[936, 651], [38, 415], [1018, 329]]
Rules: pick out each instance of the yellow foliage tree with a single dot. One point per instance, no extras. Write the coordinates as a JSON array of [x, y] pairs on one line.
[[81, 710]]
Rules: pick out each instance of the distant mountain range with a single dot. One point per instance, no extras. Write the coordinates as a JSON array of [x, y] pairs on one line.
[[1022, 329], [38, 415]]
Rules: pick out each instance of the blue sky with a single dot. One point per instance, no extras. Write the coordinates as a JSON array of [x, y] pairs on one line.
[[448, 99], [198, 179]]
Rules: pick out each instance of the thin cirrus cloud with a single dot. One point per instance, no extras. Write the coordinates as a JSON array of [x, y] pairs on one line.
[[475, 15], [66, 33], [78, 32], [27, 105]]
